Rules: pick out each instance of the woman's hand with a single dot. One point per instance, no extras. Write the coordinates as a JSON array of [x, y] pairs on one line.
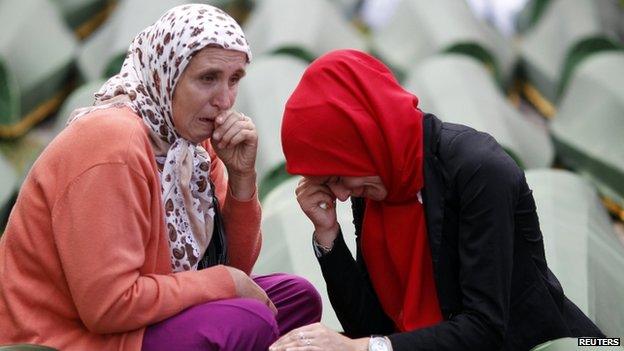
[[246, 287], [235, 141], [318, 337], [319, 204]]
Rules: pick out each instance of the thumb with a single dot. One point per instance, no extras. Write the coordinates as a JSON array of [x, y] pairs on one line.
[[272, 306]]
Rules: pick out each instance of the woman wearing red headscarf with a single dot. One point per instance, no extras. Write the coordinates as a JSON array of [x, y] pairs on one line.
[[449, 251]]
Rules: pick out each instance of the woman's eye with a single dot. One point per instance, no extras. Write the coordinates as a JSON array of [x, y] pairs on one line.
[[234, 80], [209, 78]]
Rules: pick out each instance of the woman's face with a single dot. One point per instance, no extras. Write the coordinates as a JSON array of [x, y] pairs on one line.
[[370, 187], [207, 87]]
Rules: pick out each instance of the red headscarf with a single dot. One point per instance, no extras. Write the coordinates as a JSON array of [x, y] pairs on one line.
[[350, 117]]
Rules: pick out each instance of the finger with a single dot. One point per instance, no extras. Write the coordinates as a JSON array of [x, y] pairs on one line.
[[224, 116], [234, 137], [250, 289], [305, 338], [262, 296], [314, 180], [221, 119], [224, 122], [302, 338], [306, 183], [229, 129], [307, 193], [278, 344], [313, 202], [316, 197], [295, 347], [302, 186], [306, 330], [291, 347], [308, 189], [272, 306], [289, 337], [284, 343], [328, 195], [226, 135]]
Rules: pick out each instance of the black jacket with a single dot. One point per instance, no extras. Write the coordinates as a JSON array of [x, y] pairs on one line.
[[494, 287]]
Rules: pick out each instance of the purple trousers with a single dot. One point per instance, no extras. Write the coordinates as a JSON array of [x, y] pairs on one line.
[[239, 324]]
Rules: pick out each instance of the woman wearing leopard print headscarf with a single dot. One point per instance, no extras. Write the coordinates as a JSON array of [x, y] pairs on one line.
[[127, 233]]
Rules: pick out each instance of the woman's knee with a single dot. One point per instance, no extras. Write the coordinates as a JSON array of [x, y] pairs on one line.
[[233, 324], [307, 294], [246, 324], [310, 291]]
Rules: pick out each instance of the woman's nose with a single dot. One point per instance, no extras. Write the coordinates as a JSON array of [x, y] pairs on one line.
[[223, 98]]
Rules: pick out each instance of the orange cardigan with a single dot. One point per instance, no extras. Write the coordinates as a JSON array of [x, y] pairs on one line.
[[84, 261]]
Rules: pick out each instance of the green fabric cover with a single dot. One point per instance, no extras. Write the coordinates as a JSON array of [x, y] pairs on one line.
[[100, 54], [272, 179], [589, 125], [81, 97], [571, 344], [531, 14], [307, 29], [8, 186], [569, 211], [581, 246], [36, 56], [262, 95], [9, 96], [567, 32], [419, 29], [459, 89], [76, 12]]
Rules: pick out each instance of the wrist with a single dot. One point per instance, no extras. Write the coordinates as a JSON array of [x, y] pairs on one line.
[[360, 344], [241, 175], [326, 236], [242, 185]]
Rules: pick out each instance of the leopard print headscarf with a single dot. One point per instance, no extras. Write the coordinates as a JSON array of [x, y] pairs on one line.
[[156, 58]]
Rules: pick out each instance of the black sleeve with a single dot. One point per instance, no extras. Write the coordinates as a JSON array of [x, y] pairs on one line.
[[487, 183], [351, 293]]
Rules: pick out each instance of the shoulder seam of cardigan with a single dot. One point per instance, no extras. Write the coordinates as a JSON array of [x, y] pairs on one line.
[[123, 163], [77, 177]]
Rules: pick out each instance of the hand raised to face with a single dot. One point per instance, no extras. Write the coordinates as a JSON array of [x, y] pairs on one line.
[[235, 140], [319, 203]]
